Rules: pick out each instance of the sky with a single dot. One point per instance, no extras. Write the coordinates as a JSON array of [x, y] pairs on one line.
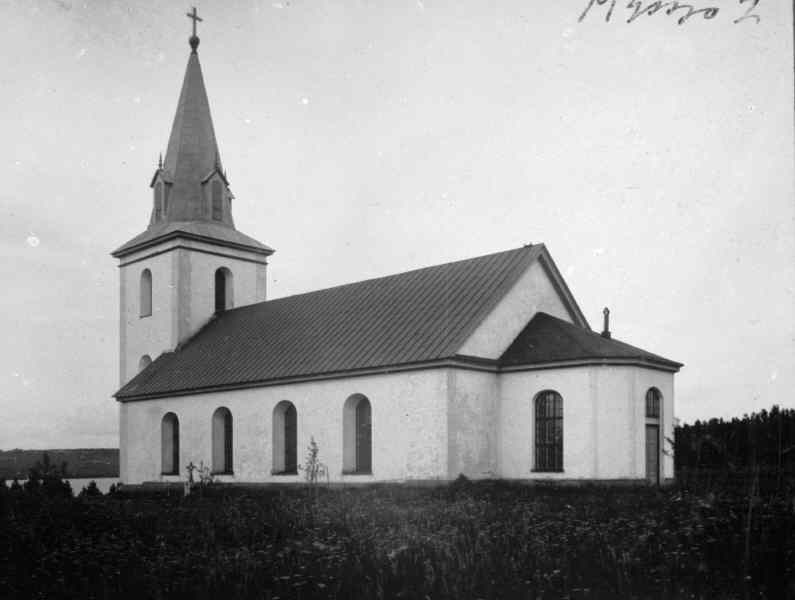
[[655, 161]]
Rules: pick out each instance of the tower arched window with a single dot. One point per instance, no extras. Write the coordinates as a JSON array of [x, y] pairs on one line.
[[217, 201], [549, 432], [145, 361], [224, 289], [285, 439], [357, 435], [222, 441], [146, 293], [169, 435]]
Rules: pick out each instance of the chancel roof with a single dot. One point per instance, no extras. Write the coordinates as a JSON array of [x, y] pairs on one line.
[[547, 339]]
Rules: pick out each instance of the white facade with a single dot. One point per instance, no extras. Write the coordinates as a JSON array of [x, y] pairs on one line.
[[432, 424]]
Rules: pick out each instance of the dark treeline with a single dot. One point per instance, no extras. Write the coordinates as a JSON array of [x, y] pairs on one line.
[[763, 440], [82, 462]]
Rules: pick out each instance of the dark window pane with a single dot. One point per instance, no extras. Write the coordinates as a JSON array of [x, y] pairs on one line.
[[549, 432]]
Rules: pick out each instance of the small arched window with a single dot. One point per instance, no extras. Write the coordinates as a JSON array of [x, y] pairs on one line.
[[145, 361], [224, 289], [217, 200], [653, 396], [549, 432], [222, 441], [146, 293], [169, 431], [285, 439], [357, 434]]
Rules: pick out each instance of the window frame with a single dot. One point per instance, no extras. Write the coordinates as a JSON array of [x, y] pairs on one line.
[[145, 287], [653, 403], [228, 468], [548, 422], [174, 421]]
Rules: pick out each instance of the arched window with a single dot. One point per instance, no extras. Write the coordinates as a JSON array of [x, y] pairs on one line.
[[169, 435], [285, 439], [549, 432], [653, 397], [653, 403], [357, 434], [222, 441], [146, 293], [224, 289], [145, 361], [159, 208], [217, 192]]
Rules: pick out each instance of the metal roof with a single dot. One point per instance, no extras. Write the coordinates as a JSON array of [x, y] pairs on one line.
[[412, 317], [547, 339], [215, 233]]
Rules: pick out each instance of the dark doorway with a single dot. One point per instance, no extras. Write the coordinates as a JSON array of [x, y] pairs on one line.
[[653, 454]]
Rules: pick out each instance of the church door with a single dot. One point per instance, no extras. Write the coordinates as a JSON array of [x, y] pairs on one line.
[[653, 454], [364, 461]]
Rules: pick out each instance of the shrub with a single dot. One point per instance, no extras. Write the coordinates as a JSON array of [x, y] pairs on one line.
[[90, 491]]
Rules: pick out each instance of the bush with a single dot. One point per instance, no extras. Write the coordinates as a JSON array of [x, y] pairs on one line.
[[90, 491]]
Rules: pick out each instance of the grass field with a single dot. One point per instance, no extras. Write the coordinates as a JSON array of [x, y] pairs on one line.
[[466, 540]]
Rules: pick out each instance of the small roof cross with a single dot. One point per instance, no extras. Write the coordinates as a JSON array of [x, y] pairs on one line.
[[194, 17]]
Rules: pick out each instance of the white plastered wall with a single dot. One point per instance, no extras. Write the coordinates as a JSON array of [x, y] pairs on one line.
[[603, 421], [533, 292], [408, 419], [472, 423]]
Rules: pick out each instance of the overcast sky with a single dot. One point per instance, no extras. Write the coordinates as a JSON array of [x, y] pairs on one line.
[[367, 138]]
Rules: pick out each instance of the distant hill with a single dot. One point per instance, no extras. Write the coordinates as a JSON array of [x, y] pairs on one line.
[[80, 462]]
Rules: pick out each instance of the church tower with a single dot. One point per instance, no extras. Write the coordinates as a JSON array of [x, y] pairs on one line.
[[191, 261]]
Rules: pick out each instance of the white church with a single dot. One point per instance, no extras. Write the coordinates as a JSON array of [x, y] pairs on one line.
[[484, 367]]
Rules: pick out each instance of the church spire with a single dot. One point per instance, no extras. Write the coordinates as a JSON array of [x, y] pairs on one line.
[[191, 198], [192, 156]]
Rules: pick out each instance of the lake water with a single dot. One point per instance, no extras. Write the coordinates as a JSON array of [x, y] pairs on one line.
[[78, 483]]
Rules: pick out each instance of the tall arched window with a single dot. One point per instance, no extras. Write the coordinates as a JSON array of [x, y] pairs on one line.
[[357, 435], [217, 192], [285, 439], [224, 289], [169, 435], [549, 432], [159, 208], [146, 293], [653, 398], [145, 361], [222, 441]]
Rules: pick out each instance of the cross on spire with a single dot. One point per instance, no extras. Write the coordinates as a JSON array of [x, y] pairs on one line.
[[194, 40]]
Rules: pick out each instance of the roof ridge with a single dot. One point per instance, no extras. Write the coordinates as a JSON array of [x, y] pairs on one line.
[[389, 276]]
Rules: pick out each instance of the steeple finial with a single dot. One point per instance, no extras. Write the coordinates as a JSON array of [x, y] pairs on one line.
[[160, 161], [194, 39]]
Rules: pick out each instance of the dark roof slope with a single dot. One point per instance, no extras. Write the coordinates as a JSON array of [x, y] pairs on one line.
[[411, 317], [547, 339], [211, 232]]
